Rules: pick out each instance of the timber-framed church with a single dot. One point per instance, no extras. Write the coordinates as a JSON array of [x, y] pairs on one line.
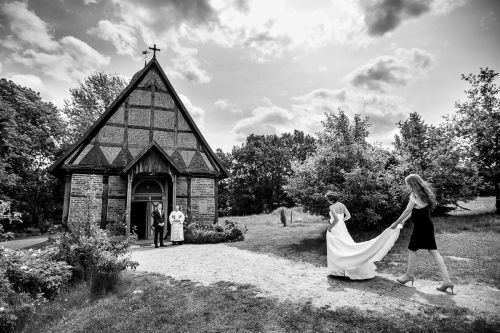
[[144, 149]]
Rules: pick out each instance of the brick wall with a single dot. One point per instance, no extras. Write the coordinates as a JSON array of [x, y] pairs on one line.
[[139, 117], [111, 134], [140, 97], [186, 140], [163, 100], [81, 186], [164, 119], [203, 199], [164, 139], [138, 137]]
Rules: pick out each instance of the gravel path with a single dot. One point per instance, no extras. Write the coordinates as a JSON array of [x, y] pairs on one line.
[[301, 282]]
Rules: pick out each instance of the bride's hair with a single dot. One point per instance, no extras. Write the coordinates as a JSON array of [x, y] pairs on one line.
[[421, 189], [332, 197]]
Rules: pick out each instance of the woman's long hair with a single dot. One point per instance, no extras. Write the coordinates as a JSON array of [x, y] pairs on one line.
[[421, 189]]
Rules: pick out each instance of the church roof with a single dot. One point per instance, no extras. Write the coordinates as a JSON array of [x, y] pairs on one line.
[[152, 146], [136, 79]]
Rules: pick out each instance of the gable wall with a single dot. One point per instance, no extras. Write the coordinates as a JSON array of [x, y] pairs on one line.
[[148, 114]]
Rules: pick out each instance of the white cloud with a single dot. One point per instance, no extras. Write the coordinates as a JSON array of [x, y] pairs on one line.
[[307, 112], [223, 104], [28, 80], [196, 112], [386, 72], [34, 46], [120, 35], [187, 66], [28, 27]]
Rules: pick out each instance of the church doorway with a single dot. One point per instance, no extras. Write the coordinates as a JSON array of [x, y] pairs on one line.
[[146, 193]]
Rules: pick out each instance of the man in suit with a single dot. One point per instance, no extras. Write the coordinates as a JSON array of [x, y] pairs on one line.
[[158, 223]]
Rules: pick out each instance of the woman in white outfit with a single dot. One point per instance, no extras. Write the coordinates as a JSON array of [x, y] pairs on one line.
[[347, 258]]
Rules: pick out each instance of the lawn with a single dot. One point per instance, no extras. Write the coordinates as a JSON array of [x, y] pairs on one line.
[[150, 302], [469, 243], [146, 302]]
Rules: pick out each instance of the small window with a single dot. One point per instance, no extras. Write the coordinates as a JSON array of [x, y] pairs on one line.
[[148, 186]]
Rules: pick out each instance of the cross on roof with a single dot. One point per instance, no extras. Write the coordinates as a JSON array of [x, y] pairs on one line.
[[154, 50]]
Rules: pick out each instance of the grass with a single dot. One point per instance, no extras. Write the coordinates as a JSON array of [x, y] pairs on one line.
[[470, 245], [145, 302]]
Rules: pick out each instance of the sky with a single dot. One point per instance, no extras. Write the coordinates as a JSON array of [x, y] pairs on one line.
[[262, 66]]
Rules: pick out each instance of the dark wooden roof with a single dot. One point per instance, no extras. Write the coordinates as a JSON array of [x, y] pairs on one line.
[[152, 146], [136, 79]]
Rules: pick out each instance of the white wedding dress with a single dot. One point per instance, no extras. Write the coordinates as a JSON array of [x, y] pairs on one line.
[[356, 260]]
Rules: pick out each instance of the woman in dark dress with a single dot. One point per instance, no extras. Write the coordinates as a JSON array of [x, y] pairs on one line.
[[421, 202]]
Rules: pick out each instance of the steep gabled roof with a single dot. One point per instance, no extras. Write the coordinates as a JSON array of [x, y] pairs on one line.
[[136, 79], [151, 146]]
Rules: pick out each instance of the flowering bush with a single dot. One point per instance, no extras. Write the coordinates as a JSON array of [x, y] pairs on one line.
[[207, 232], [34, 272]]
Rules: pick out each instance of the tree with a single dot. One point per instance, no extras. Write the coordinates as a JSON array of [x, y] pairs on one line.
[[223, 184], [345, 162], [477, 120], [89, 100], [440, 157], [34, 130], [259, 168]]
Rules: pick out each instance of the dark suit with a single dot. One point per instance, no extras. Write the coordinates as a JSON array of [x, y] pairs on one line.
[[157, 219]]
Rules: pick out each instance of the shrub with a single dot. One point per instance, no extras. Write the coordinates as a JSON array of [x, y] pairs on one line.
[[5, 236], [207, 232], [34, 272], [89, 250]]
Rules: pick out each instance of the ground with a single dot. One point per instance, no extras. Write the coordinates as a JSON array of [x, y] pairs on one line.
[[276, 281]]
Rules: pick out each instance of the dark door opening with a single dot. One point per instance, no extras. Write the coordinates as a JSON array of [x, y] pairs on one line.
[[139, 218]]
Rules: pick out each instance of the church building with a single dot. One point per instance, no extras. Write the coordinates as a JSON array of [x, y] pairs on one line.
[[144, 149]]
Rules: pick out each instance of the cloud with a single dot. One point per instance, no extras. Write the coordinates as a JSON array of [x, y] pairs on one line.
[[186, 66], [120, 35], [382, 16], [308, 110], [223, 104], [264, 120], [27, 26], [196, 112], [385, 72], [28, 80], [489, 20], [31, 44]]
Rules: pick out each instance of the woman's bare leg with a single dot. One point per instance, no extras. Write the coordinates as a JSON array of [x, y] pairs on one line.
[[441, 265], [412, 262]]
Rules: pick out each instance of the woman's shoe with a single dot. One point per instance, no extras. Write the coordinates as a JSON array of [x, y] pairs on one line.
[[443, 287], [405, 281]]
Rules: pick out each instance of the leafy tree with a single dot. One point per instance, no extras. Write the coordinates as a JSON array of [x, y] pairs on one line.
[[345, 162], [223, 185], [34, 129], [259, 168], [440, 157], [477, 119], [89, 100]]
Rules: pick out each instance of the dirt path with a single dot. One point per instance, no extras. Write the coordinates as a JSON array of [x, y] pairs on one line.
[[301, 282]]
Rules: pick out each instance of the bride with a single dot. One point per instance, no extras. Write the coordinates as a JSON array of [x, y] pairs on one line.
[[346, 257]]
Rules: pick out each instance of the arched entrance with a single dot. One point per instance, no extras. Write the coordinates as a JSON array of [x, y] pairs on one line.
[[146, 192]]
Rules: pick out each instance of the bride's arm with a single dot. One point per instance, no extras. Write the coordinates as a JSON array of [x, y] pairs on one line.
[[347, 214]]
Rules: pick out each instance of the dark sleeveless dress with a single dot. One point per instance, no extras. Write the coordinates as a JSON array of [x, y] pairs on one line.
[[423, 230]]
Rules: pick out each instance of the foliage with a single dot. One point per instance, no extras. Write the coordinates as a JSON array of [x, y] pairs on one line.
[[207, 232], [345, 162], [259, 169], [440, 157], [31, 131], [477, 122], [224, 195], [89, 100], [5, 236], [34, 272]]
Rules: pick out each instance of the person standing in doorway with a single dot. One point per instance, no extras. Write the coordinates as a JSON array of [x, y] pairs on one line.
[[176, 219], [158, 224]]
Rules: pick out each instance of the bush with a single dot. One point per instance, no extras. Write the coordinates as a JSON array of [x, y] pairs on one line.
[[5, 236], [207, 232], [91, 250], [34, 272]]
